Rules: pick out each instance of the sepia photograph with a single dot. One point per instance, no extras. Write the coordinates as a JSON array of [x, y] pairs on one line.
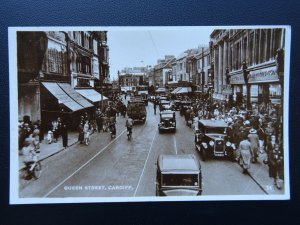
[[138, 114]]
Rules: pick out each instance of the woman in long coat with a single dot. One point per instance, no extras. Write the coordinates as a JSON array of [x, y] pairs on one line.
[[254, 140], [245, 154]]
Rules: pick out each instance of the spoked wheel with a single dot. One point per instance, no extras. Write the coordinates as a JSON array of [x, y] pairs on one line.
[[37, 171]]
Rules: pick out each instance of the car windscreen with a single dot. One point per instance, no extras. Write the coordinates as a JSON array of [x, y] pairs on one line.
[[215, 130], [180, 180]]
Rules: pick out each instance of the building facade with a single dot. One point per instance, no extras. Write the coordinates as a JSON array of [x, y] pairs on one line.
[[245, 65], [56, 76]]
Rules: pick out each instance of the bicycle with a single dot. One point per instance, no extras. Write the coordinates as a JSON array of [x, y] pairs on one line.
[[32, 170], [129, 133]]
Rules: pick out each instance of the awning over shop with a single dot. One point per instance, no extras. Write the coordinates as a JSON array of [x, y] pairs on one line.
[[175, 90], [74, 95], [91, 95], [62, 96], [184, 90]]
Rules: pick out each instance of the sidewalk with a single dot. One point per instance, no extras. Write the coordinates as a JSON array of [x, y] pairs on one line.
[[47, 150], [260, 173]]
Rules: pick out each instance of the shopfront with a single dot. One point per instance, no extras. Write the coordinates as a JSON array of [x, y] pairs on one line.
[[264, 86]]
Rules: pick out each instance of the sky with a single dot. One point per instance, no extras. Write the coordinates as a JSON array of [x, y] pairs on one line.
[[142, 46]]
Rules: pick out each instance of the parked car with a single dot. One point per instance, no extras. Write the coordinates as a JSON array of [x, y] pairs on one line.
[[178, 175], [167, 121], [211, 140]]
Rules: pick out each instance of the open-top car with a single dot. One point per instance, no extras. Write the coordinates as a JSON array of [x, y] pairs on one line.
[[211, 140], [178, 175], [167, 121]]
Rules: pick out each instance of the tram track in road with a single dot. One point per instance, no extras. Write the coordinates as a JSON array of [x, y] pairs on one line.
[[85, 164], [149, 151]]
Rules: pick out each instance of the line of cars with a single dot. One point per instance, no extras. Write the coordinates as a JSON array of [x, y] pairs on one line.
[[180, 175]]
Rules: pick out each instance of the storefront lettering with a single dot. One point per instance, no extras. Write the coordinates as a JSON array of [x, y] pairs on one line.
[[263, 76], [237, 79]]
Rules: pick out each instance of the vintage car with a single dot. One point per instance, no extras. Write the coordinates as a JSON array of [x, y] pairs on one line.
[[136, 110], [178, 175], [184, 105], [176, 105], [165, 105], [167, 121], [211, 140]]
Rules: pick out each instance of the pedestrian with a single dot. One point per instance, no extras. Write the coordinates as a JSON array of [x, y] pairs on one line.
[[254, 140], [99, 122], [86, 132], [154, 106], [55, 130], [64, 134], [80, 132], [245, 154], [275, 164], [35, 135]]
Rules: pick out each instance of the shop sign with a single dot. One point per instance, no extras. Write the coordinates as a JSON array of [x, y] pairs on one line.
[[237, 79], [226, 89], [263, 75]]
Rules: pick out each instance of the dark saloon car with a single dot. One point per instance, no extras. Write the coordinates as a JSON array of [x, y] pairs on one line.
[[211, 140], [178, 175], [167, 121]]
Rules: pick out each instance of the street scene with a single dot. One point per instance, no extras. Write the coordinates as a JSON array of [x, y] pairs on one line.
[[206, 120]]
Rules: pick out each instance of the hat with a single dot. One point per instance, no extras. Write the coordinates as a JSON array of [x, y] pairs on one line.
[[247, 122], [252, 131]]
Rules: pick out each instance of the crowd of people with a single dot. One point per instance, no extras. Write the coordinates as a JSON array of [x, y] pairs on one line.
[[254, 132]]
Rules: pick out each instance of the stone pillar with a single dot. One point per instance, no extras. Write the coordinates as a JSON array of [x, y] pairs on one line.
[[215, 69], [220, 67], [225, 61]]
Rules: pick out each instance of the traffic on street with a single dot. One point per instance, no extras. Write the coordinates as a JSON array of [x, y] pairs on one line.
[[118, 167]]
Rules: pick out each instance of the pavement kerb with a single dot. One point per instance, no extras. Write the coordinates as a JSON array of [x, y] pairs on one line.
[[52, 154]]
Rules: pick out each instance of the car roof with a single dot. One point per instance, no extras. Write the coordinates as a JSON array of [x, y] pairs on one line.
[[213, 123], [178, 163], [166, 112]]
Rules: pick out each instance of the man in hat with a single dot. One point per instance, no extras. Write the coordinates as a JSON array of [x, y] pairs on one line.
[[254, 141]]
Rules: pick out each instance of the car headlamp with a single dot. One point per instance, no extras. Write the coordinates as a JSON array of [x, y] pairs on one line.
[[228, 143], [211, 143]]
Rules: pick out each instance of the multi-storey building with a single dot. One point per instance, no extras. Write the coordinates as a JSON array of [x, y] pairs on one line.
[[130, 78], [245, 65], [62, 72], [162, 73]]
